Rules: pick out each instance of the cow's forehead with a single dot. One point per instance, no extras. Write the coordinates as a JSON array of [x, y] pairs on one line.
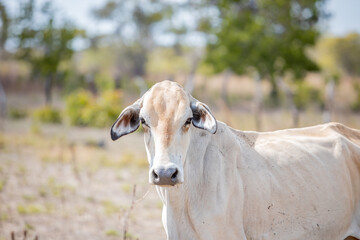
[[166, 101]]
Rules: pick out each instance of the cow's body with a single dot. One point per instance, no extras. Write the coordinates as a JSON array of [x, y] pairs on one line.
[[306, 184], [289, 184]]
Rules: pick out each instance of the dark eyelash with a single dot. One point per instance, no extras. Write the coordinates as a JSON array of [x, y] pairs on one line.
[[143, 122], [188, 121]]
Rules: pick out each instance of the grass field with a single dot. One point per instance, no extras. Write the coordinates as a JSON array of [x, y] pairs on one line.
[[60, 182], [74, 183]]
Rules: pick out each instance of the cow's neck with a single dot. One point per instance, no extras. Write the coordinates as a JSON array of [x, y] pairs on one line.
[[206, 185]]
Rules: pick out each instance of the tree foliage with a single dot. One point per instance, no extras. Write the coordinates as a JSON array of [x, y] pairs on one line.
[[338, 55], [347, 51], [136, 23], [4, 27], [44, 46], [270, 37]]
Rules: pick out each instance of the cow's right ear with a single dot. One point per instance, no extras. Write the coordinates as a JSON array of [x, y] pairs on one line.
[[127, 122], [202, 116]]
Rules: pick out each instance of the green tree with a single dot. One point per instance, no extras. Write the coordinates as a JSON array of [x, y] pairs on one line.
[[135, 29], [4, 27], [270, 37], [347, 56], [347, 53], [326, 57], [4, 35], [338, 56], [44, 46]]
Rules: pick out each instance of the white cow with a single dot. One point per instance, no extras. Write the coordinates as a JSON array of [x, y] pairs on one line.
[[220, 183]]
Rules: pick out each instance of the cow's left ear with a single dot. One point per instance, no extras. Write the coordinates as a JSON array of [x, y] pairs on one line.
[[202, 117], [127, 122]]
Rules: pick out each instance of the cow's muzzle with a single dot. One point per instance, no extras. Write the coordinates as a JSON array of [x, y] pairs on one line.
[[164, 176]]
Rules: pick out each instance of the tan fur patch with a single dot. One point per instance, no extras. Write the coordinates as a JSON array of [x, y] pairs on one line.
[[185, 129], [165, 105], [349, 133]]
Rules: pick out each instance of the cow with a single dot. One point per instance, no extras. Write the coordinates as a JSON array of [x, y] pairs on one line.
[[216, 182]]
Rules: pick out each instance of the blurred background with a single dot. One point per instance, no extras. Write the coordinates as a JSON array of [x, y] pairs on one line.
[[68, 68]]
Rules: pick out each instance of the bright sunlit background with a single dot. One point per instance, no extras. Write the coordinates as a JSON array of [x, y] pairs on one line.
[[68, 68]]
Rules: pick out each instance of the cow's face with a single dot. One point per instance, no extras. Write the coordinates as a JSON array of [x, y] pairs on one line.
[[167, 114]]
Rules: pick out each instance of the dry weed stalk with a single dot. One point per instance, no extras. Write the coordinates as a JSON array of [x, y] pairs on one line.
[[74, 162], [127, 214], [25, 236]]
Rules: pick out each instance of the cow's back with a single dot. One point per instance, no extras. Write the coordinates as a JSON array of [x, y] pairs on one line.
[[301, 183]]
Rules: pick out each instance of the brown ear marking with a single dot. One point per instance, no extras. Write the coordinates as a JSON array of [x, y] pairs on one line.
[[123, 121], [130, 118], [201, 113]]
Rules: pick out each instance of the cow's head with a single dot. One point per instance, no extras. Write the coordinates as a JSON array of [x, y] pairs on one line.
[[166, 112]]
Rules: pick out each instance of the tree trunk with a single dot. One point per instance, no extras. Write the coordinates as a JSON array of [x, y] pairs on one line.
[[3, 107], [224, 101], [117, 81], [190, 81], [5, 22], [274, 94], [48, 89], [224, 87], [290, 100], [90, 80], [258, 100], [140, 83], [329, 101], [118, 76]]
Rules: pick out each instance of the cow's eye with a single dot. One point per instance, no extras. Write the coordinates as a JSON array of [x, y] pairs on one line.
[[143, 122], [188, 121]]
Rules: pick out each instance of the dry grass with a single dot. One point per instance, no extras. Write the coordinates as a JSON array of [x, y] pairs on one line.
[[56, 186], [61, 182]]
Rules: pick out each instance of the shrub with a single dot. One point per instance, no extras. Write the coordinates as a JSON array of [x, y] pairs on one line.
[[110, 207], [95, 116], [30, 209], [83, 109], [356, 104], [305, 95], [17, 113], [104, 82], [75, 104], [2, 143], [112, 232], [111, 103], [2, 183], [47, 114]]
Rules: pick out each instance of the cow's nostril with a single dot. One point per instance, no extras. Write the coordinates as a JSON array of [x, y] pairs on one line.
[[155, 176], [174, 175]]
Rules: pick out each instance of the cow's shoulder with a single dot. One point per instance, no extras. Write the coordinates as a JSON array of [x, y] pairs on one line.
[[248, 137], [350, 134]]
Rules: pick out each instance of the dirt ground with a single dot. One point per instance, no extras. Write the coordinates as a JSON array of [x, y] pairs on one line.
[[63, 183], [59, 182]]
